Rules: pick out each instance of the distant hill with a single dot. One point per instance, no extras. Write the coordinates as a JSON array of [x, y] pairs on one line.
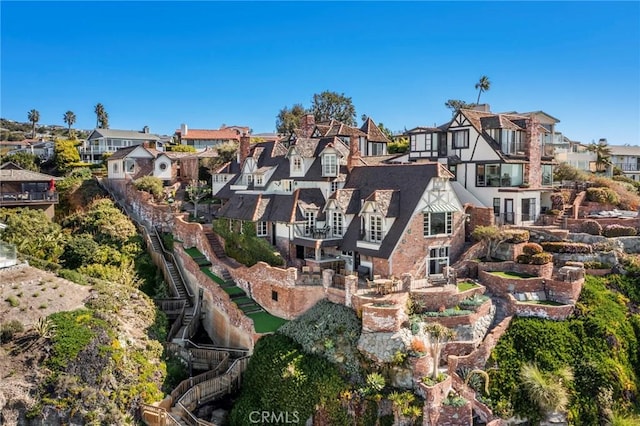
[[11, 130]]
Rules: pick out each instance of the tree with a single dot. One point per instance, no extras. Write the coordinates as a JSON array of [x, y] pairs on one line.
[[331, 105], [388, 133], [65, 155], [437, 336], [547, 390], [492, 236], [183, 148], [34, 117], [456, 105], [196, 192], [603, 155], [289, 119], [102, 118], [482, 85], [69, 118], [26, 160]]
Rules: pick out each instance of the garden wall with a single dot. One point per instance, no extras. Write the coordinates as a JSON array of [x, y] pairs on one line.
[[541, 271], [433, 298], [141, 203], [383, 316], [223, 320], [540, 311], [574, 225]]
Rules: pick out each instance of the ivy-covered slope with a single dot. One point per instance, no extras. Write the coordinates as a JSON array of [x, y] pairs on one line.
[[600, 343]]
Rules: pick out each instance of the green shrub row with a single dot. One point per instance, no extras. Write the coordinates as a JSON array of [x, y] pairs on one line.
[[602, 195], [532, 248], [591, 227], [614, 230], [516, 236], [535, 259], [566, 247], [245, 246]]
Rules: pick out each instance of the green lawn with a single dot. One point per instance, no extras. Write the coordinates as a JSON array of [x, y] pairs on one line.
[[543, 302], [233, 291], [193, 252], [213, 276], [198, 257], [264, 322], [513, 275], [467, 285]]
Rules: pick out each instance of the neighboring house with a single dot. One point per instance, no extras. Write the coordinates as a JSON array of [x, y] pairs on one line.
[[24, 188], [318, 201], [102, 141], [138, 161], [575, 154], [201, 138], [627, 159], [40, 148], [498, 158]]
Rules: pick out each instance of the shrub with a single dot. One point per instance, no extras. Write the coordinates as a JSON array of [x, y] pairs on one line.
[[557, 201], [532, 248], [150, 184], [554, 212], [594, 264], [574, 263], [618, 231], [516, 236], [591, 227], [73, 276], [566, 247], [541, 258], [602, 195], [9, 329], [12, 301], [524, 259]]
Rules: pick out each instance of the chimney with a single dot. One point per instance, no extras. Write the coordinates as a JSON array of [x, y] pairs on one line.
[[353, 159], [145, 129], [183, 130], [307, 124], [534, 153], [482, 108], [245, 145]]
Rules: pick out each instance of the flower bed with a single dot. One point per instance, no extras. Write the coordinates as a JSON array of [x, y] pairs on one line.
[[382, 316]]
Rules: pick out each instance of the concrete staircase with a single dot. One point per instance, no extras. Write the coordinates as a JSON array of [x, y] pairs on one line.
[[215, 244]]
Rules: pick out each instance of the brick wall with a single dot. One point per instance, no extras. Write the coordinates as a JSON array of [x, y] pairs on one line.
[[377, 318], [468, 319], [542, 271], [455, 416], [433, 397], [564, 291], [479, 357], [413, 247], [534, 153], [480, 216], [540, 311]]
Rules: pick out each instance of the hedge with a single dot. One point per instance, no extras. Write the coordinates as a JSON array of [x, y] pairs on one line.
[[591, 227], [517, 236], [602, 195], [619, 231], [566, 247], [532, 248], [541, 258]]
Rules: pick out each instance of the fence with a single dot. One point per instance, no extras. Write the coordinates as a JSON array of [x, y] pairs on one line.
[[8, 255]]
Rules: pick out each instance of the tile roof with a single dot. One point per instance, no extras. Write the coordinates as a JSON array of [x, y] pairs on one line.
[[122, 134], [373, 132], [387, 201], [203, 134]]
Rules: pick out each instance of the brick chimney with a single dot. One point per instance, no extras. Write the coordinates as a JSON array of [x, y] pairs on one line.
[[307, 124], [534, 153], [353, 159], [245, 146]]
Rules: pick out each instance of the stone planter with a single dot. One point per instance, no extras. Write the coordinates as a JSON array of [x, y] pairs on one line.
[[434, 395], [421, 366], [382, 317], [450, 415]]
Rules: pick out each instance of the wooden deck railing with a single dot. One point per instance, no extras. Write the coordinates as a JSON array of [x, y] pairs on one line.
[[233, 352], [156, 416], [186, 384]]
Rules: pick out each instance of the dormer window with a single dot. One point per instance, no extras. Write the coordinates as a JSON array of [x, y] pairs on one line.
[[375, 229], [296, 164], [337, 221], [248, 179], [329, 165], [259, 180]]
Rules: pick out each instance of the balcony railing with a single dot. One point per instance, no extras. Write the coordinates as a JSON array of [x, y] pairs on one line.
[[628, 167], [17, 198], [514, 219], [315, 233]]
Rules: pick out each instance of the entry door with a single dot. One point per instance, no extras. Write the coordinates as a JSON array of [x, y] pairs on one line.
[[438, 260], [508, 211]]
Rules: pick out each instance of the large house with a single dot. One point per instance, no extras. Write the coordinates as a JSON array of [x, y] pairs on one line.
[[499, 158], [101, 141], [137, 161], [322, 202], [626, 158], [25, 188], [203, 138]]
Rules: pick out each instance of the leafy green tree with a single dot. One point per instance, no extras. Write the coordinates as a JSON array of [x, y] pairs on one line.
[[492, 236], [33, 233], [289, 119], [150, 184], [198, 190], [69, 118], [387, 132], [65, 155], [482, 85], [183, 148], [33, 116], [102, 117], [80, 250], [328, 105], [26, 160], [398, 146]]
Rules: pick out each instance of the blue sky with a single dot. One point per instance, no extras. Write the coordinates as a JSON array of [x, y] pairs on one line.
[[209, 63]]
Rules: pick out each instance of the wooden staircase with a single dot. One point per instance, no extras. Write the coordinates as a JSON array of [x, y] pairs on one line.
[[215, 244]]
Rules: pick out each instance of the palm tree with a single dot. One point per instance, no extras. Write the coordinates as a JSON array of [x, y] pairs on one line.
[[69, 118], [483, 85], [437, 336], [102, 118], [34, 117], [603, 155]]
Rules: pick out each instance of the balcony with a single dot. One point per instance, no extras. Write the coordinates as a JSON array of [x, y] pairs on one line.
[[27, 198], [368, 241], [320, 234], [628, 167]]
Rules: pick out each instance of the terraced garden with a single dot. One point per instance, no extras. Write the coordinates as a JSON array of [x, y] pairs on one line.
[[263, 321]]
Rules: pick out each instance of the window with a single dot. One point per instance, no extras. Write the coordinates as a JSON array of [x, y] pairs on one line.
[[437, 224], [528, 209], [453, 169], [375, 229], [547, 174], [296, 164], [287, 185], [115, 167], [261, 229], [511, 141], [496, 206], [274, 295], [329, 165], [377, 148], [130, 166], [334, 186], [163, 166], [337, 224], [497, 175], [259, 180], [248, 179], [460, 139], [309, 222]]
